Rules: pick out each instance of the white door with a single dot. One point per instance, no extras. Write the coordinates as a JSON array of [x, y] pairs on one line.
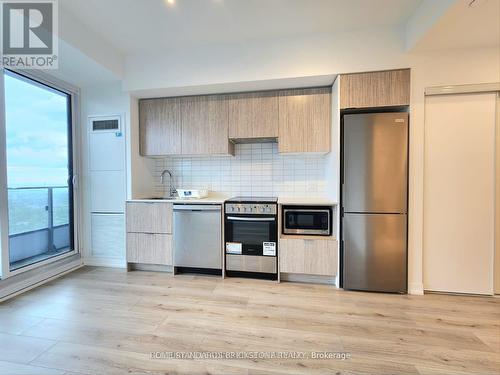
[[497, 200], [459, 192]]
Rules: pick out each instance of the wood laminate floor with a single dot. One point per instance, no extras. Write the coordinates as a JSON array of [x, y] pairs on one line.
[[107, 321]]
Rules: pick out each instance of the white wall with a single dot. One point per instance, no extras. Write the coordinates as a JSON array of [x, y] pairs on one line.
[[332, 169], [104, 100], [436, 69], [233, 65], [140, 170], [73, 33], [497, 200], [302, 56], [427, 69]]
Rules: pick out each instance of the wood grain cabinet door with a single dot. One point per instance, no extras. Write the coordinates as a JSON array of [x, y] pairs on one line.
[[149, 248], [205, 125], [375, 89], [291, 255], [305, 120], [145, 217], [160, 126], [320, 257], [253, 115], [309, 257]]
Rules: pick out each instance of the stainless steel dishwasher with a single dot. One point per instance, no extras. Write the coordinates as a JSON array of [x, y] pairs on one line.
[[197, 237]]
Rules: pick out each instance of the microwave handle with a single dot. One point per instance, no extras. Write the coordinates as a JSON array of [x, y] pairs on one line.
[[251, 219]]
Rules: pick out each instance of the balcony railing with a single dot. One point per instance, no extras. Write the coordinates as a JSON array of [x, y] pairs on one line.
[[38, 223]]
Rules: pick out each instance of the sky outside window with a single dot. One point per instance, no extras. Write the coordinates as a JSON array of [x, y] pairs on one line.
[[37, 134], [37, 154]]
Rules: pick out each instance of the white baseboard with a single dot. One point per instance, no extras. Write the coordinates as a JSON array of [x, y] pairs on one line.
[[23, 282], [416, 289], [105, 262]]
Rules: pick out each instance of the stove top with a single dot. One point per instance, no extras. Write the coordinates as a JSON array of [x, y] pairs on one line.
[[253, 200]]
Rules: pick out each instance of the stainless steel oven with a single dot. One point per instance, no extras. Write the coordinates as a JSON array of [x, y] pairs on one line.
[[308, 220], [251, 237]]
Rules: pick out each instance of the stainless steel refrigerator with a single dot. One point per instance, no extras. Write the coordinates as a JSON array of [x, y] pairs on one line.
[[374, 201]]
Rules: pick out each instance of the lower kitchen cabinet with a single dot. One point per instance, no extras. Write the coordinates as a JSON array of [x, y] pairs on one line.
[[149, 248], [308, 256], [147, 217]]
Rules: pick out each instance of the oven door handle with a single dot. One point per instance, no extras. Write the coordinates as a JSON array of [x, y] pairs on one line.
[[251, 219]]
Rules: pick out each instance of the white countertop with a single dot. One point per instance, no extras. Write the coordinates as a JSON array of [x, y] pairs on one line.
[[211, 199], [219, 199], [312, 201]]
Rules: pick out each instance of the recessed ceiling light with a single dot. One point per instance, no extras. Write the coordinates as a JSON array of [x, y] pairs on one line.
[[170, 2]]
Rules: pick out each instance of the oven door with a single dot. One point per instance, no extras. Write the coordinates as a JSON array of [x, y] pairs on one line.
[[307, 221], [251, 235]]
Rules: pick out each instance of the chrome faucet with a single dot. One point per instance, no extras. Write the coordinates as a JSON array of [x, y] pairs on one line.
[[171, 189]]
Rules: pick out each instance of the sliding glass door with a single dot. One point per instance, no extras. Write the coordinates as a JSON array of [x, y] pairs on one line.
[[39, 168]]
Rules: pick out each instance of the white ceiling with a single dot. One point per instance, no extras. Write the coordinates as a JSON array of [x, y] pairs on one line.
[[466, 24], [151, 26]]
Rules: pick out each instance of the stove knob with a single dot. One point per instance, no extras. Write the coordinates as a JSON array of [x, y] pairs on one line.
[[268, 209]]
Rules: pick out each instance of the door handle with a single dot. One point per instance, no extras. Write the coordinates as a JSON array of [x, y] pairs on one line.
[[251, 219]]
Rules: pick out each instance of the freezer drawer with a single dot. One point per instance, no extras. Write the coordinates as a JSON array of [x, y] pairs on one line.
[[375, 162], [375, 252]]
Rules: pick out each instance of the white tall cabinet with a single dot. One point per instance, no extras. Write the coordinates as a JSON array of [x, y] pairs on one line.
[[107, 187], [459, 193]]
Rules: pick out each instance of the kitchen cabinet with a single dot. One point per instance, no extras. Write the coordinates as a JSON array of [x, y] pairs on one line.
[[149, 248], [308, 256], [160, 126], [149, 217], [305, 120], [253, 115], [149, 232], [205, 125], [375, 89]]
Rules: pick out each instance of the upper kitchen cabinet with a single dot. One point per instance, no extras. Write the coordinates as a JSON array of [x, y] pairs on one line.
[[305, 120], [253, 115], [205, 125], [160, 126], [375, 89]]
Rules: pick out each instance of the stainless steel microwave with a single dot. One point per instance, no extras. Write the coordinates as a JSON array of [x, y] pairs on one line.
[[309, 220]]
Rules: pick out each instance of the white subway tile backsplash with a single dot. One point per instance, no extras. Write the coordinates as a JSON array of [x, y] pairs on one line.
[[256, 169]]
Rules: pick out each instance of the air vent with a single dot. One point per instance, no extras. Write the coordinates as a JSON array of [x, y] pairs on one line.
[[105, 125]]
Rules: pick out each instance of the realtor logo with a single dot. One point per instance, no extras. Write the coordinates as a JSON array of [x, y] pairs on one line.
[[29, 34]]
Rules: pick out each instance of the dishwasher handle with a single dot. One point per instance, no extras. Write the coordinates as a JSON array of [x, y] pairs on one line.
[[197, 207]]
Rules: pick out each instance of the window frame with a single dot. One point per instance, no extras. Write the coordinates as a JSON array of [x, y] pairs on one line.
[[46, 81]]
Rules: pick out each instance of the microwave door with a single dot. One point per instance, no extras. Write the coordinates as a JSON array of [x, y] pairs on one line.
[[303, 221]]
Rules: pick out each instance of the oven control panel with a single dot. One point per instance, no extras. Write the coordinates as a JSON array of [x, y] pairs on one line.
[[251, 208]]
